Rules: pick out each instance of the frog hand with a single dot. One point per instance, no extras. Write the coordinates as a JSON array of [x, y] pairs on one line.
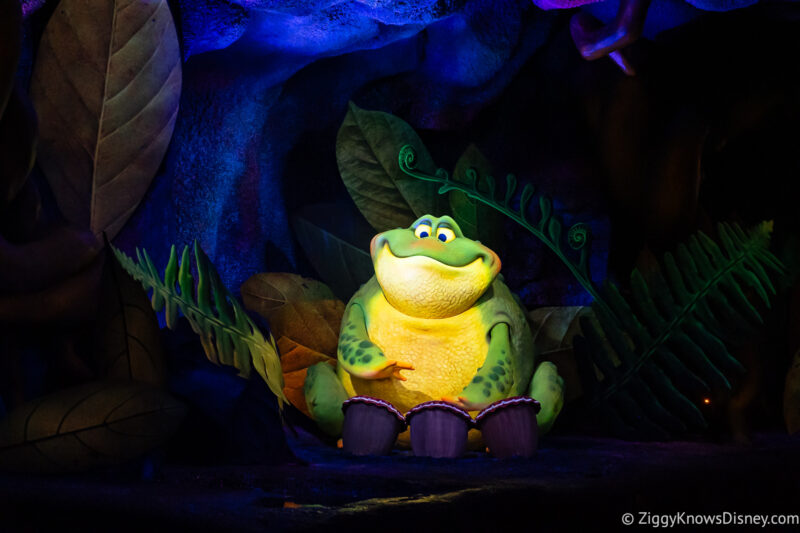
[[389, 369], [465, 403]]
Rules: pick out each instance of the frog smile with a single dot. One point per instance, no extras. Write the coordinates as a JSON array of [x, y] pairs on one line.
[[435, 250], [420, 260]]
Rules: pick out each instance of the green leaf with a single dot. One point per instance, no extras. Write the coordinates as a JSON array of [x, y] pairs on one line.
[[525, 198], [511, 188], [337, 245], [366, 151], [554, 230], [477, 220], [107, 105], [86, 427], [228, 335]]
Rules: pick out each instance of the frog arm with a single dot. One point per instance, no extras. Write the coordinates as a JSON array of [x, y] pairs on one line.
[[494, 379], [359, 356]]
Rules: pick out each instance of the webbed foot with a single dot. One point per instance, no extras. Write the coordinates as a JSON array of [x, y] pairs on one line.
[[547, 387], [465, 403], [324, 395]]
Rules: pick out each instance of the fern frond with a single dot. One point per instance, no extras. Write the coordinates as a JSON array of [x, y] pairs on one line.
[[663, 348], [228, 335], [548, 229]]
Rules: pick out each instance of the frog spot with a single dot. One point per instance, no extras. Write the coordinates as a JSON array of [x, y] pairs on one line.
[[477, 379], [365, 344], [487, 392], [499, 370], [493, 377], [359, 352], [366, 359]]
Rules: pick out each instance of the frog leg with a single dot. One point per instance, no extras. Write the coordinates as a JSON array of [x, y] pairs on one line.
[[494, 379], [324, 397], [358, 355], [548, 388]]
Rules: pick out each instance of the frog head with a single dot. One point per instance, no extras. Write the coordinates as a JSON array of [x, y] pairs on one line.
[[430, 270]]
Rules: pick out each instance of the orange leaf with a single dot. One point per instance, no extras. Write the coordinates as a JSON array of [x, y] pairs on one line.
[[301, 309], [296, 356]]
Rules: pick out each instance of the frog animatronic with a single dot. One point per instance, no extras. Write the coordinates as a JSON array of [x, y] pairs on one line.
[[435, 322]]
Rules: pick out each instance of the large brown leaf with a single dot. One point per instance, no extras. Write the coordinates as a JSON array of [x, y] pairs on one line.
[[304, 316], [301, 309], [106, 86], [88, 426], [128, 340], [367, 147]]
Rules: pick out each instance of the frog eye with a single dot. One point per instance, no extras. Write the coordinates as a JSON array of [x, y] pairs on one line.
[[422, 231], [445, 234]]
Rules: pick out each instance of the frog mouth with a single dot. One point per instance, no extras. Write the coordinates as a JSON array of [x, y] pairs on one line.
[[431, 247], [427, 262]]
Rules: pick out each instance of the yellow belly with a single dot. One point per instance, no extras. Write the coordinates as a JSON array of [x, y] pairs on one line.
[[445, 352]]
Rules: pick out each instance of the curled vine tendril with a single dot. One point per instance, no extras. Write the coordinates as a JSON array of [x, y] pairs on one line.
[[578, 235], [408, 157]]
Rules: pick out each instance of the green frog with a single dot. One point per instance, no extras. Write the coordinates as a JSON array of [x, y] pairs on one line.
[[435, 322]]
